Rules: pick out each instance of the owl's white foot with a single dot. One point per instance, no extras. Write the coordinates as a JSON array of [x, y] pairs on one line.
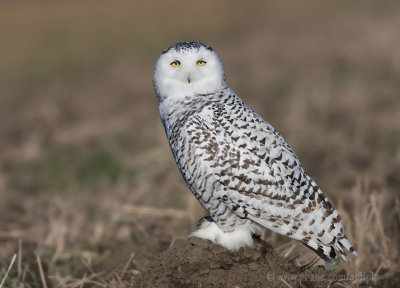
[[233, 241]]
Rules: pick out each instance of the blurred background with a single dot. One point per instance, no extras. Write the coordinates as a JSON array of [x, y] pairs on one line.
[[86, 174]]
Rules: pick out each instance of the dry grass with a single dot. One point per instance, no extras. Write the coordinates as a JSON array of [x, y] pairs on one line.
[[86, 176]]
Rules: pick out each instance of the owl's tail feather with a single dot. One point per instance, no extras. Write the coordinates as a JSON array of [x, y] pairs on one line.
[[345, 243], [329, 253], [325, 252]]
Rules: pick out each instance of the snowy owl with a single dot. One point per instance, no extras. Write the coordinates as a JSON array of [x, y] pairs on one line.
[[237, 165]]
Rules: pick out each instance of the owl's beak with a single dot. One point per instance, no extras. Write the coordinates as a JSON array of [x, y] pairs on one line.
[[188, 78]]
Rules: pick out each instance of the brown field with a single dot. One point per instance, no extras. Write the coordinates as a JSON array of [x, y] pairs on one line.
[[86, 175]]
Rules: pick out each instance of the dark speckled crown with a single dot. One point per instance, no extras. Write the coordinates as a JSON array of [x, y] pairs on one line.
[[186, 46]]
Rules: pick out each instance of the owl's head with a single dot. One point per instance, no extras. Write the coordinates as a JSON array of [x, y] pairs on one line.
[[188, 68]]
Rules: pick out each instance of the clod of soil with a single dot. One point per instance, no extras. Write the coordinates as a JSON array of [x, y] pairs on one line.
[[199, 263]]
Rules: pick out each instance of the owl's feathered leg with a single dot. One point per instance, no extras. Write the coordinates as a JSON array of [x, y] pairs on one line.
[[232, 240]]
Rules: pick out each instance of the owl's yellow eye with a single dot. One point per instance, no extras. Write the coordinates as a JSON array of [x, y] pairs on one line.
[[175, 63], [201, 63]]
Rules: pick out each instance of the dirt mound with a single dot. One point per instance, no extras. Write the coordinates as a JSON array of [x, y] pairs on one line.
[[199, 263]]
